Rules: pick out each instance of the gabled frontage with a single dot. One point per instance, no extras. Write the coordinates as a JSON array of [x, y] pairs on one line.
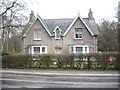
[[78, 17], [32, 23], [55, 36]]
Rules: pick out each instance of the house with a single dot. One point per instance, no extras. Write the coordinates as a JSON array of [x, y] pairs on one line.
[[55, 36]]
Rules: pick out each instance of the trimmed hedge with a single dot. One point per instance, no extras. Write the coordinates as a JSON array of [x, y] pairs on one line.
[[16, 60], [72, 61]]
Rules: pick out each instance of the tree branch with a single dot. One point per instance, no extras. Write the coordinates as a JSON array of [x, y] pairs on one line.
[[8, 8]]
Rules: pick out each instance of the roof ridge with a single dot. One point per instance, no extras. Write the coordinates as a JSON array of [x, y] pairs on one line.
[[58, 19], [85, 18]]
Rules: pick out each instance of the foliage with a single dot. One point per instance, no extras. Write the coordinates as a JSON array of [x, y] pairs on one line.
[[67, 61], [16, 60], [46, 60], [10, 52], [15, 44], [108, 37]]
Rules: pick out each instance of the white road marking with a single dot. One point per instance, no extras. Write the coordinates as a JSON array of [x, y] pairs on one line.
[[59, 74], [58, 82]]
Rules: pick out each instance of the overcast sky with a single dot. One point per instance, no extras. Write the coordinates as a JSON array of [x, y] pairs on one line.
[[69, 8]]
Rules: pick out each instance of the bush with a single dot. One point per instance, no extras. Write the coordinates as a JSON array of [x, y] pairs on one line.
[[65, 61], [46, 60], [71, 61], [79, 59], [16, 60]]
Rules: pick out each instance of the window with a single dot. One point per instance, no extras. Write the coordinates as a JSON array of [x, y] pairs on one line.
[[86, 49], [79, 49], [38, 50], [43, 49], [78, 33], [71, 49], [57, 34], [37, 35]]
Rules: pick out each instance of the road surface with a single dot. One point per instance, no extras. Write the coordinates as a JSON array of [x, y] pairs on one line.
[[24, 81]]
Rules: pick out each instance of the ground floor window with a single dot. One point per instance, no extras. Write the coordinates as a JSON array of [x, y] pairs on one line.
[[78, 49], [38, 49]]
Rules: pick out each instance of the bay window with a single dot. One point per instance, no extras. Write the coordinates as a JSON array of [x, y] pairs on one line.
[[38, 49], [76, 49]]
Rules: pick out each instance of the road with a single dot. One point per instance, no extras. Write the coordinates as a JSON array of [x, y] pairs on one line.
[[24, 81]]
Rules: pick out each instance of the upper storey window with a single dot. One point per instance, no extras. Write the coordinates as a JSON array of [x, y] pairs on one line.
[[57, 36], [37, 35], [57, 33], [78, 33]]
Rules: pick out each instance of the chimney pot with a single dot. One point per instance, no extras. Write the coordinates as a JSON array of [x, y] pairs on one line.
[[90, 15], [31, 16]]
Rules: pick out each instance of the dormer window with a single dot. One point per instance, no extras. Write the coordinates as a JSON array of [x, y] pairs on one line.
[[78, 33], [37, 35], [57, 32]]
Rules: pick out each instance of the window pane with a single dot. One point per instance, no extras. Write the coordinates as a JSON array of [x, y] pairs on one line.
[[85, 49], [78, 33], [36, 50], [43, 49], [37, 34], [57, 34], [78, 49], [71, 49]]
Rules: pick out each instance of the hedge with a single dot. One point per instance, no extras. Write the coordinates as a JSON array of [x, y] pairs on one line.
[[73, 61]]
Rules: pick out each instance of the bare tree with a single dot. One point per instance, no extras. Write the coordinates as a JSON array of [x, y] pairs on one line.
[[11, 17]]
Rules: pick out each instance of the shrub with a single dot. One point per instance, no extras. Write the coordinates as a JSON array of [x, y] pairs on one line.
[[65, 61], [79, 61], [59, 60], [16, 60], [46, 60]]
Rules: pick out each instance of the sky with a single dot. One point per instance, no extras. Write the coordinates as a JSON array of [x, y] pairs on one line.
[[50, 9]]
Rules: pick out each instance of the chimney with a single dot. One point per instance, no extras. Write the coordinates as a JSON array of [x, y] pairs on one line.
[[90, 15], [31, 16]]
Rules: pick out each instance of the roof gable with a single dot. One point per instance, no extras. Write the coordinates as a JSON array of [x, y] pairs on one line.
[[57, 27], [78, 17], [44, 25]]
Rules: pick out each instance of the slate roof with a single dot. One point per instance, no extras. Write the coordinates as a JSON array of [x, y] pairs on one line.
[[92, 25], [65, 23], [61, 23]]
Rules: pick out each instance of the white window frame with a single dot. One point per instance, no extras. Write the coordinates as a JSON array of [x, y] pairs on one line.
[[75, 33], [56, 34], [83, 49], [76, 51], [36, 32], [32, 49]]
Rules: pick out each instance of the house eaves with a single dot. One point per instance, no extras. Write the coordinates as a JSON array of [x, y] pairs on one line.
[[78, 16]]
